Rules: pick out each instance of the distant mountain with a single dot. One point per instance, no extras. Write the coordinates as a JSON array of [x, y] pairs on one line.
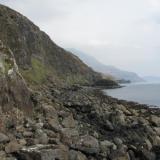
[[152, 78], [106, 69]]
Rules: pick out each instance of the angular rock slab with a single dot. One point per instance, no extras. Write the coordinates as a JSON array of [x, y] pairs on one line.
[[43, 152]]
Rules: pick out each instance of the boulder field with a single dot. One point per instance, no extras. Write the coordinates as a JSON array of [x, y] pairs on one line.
[[79, 123]]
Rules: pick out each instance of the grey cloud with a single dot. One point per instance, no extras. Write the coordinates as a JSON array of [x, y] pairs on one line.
[[41, 11], [155, 18]]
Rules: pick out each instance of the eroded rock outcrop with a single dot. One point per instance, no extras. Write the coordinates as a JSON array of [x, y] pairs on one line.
[[13, 88]]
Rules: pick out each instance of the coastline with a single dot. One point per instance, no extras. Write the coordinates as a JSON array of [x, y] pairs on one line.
[[131, 122], [85, 122]]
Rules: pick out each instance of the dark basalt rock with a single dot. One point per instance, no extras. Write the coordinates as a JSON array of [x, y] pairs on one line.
[[106, 84]]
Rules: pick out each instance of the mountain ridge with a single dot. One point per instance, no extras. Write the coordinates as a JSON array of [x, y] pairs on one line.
[[152, 78], [118, 74]]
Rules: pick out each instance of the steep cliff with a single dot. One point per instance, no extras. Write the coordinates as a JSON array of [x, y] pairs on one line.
[[37, 55], [13, 89]]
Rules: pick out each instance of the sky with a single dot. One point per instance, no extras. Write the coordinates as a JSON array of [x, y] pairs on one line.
[[123, 33]]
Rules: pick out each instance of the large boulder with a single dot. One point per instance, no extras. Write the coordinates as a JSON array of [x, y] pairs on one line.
[[68, 122], [155, 120], [118, 118], [88, 144], [76, 155], [12, 147], [106, 147], [3, 138], [44, 152]]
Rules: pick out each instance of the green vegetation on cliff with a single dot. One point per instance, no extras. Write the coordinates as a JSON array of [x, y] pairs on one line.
[[26, 41], [37, 73]]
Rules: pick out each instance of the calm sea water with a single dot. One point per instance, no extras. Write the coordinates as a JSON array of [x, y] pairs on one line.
[[142, 93]]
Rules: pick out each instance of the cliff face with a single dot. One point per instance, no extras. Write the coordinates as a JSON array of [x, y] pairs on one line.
[[36, 54], [13, 89]]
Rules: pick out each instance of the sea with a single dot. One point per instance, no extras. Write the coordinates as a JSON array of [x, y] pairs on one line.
[[143, 93]]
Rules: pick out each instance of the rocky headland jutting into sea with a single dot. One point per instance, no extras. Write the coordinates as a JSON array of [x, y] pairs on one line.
[[47, 114]]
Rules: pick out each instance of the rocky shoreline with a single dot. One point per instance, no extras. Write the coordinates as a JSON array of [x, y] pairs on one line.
[[78, 123], [45, 116]]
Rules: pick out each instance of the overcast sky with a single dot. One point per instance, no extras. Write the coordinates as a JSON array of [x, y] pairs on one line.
[[123, 33]]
